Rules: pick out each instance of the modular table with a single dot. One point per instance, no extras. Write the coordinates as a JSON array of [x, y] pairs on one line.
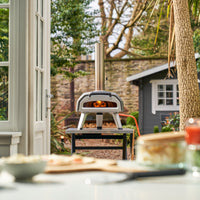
[[105, 133]]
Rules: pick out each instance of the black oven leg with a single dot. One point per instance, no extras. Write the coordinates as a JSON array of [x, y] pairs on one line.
[[73, 143], [124, 156]]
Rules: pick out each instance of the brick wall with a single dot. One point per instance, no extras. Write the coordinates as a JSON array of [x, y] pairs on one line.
[[116, 72]]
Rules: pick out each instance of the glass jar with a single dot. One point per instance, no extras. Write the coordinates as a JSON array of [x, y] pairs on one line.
[[161, 150], [193, 158], [192, 137]]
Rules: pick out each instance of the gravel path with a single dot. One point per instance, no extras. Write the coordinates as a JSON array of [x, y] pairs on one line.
[[105, 154]]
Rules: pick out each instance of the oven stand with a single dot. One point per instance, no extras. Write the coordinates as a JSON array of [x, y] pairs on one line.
[[82, 120], [91, 133], [117, 120]]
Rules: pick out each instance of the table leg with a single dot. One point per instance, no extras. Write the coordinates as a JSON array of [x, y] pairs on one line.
[[124, 156], [73, 143], [131, 143]]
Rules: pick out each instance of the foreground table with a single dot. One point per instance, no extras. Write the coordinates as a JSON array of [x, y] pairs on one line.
[[71, 186]]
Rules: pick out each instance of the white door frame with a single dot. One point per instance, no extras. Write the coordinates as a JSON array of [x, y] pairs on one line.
[[39, 78]]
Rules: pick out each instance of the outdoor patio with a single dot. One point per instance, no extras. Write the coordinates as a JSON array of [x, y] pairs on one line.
[[99, 99]]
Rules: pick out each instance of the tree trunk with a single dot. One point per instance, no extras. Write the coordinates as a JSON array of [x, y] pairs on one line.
[[186, 64]]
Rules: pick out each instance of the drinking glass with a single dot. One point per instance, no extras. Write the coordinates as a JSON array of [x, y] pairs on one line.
[[192, 137]]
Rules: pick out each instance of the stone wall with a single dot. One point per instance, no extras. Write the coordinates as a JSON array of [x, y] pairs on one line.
[[116, 72]]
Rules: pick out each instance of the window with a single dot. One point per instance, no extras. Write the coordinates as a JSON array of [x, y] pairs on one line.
[[4, 59], [9, 63], [165, 95]]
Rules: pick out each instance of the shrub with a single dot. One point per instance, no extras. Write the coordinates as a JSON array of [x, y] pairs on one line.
[[132, 127], [171, 123], [56, 132], [131, 121], [167, 128], [156, 129]]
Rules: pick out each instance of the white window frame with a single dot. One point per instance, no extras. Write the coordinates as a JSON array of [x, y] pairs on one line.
[[155, 106], [5, 124], [15, 96]]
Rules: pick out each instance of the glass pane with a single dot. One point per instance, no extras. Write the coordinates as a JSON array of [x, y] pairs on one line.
[[160, 94], [41, 103], [39, 96], [169, 102], [37, 4], [4, 1], [41, 7], [36, 95], [160, 87], [169, 94], [4, 32], [41, 41], [3, 93], [36, 40], [169, 87], [177, 95], [161, 102]]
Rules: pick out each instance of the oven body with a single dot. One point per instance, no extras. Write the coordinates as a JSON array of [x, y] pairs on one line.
[[99, 102]]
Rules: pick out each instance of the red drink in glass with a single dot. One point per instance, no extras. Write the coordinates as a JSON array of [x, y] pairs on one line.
[[192, 135]]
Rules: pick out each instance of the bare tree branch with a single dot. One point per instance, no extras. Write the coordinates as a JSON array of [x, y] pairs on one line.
[[129, 53], [110, 28], [110, 14], [110, 21]]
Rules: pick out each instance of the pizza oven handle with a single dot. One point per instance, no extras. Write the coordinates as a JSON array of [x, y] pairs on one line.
[[100, 93]]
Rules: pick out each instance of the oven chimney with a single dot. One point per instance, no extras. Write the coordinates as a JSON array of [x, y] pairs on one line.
[[99, 67]]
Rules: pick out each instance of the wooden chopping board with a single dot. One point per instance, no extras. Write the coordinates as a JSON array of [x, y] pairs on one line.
[[98, 165]]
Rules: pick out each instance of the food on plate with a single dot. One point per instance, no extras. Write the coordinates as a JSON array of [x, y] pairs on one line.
[[68, 160], [20, 158], [162, 149]]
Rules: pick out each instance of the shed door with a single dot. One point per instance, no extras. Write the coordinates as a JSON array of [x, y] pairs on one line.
[[39, 74]]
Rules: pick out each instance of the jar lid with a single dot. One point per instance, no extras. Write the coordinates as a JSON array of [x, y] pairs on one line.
[[161, 137]]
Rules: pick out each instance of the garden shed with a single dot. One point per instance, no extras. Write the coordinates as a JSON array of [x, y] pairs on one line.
[[158, 95]]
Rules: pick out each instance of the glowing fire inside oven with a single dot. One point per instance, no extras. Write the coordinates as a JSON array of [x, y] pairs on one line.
[[99, 104]]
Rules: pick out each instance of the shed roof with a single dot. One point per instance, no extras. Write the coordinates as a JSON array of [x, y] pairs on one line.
[[154, 70]]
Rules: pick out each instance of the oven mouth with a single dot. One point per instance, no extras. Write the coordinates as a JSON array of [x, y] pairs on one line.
[[99, 104], [86, 100]]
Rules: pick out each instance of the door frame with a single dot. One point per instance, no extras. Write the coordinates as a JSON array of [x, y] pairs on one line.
[[36, 126]]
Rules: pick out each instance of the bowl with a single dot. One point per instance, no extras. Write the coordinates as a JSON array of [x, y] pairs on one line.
[[24, 167], [25, 170]]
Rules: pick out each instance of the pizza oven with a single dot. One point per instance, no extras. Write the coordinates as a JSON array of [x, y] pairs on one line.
[[99, 101]]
